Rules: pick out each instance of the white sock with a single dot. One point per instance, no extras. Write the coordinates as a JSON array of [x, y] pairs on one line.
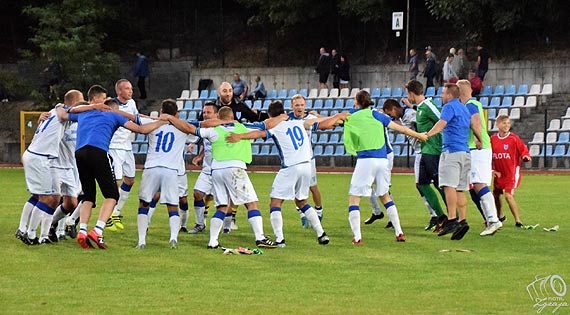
[[174, 222], [354, 220], [276, 219], [99, 227], [123, 196], [428, 207], [35, 219], [228, 222], [75, 215], [183, 217], [58, 214], [199, 215], [46, 224], [313, 218], [301, 214], [392, 212], [142, 224], [256, 223], [489, 207], [61, 227], [374, 203], [83, 228], [25, 217], [215, 227], [319, 211], [150, 214]]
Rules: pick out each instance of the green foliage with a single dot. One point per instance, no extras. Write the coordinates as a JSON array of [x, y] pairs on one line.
[[68, 34], [14, 85]]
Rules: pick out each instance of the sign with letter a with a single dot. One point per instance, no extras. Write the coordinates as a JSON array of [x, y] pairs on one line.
[[397, 21]]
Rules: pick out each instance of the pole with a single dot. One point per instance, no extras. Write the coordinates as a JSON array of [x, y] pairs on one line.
[[407, 30]]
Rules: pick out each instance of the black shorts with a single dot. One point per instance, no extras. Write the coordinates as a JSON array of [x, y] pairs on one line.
[[323, 77], [94, 164], [429, 169]]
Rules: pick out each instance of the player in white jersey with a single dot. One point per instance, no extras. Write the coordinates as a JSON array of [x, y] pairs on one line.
[[299, 106], [121, 150], [293, 180]]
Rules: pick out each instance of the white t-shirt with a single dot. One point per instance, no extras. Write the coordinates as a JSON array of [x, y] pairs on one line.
[[48, 135], [66, 158], [166, 146], [122, 139], [292, 141]]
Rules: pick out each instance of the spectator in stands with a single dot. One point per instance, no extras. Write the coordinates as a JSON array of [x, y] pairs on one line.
[[476, 83], [241, 111], [335, 68], [449, 75], [460, 69], [483, 61], [429, 71], [323, 68], [141, 70], [259, 90], [240, 87], [344, 73], [413, 69]]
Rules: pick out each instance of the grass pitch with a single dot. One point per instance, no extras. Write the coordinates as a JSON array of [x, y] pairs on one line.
[[382, 277]]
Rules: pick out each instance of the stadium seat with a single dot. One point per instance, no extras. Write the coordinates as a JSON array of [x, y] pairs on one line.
[[198, 105], [534, 150], [143, 148], [386, 92], [274, 150], [333, 93], [400, 138], [254, 149], [349, 103], [430, 92], [502, 111], [313, 93], [530, 101], [264, 150], [318, 150], [265, 104], [507, 101], [248, 103], [291, 93], [203, 94], [499, 90], [511, 90], [287, 104], [282, 94], [484, 101], [272, 94], [318, 104], [180, 105], [353, 92], [519, 101], [314, 137], [523, 90], [333, 112], [437, 101], [334, 139], [309, 103], [328, 104], [515, 114], [213, 95], [375, 93], [534, 89], [339, 151], [551, 137], [554, 125], [565, 125], [329, 150], [487, 91], [344, 93], [546, 89], [548, 148], [567, 115], [397, 92], [153, 114], [192, 115], [439, 91], [194, 94], [257, 104], [323, 93], [491, 113], [323, 138], [404, 150], [537, 138], [563, 138], [495, 101], [140, 138], [183, 114], [303, 92], [339, 103], [366, 89], [188, 105], [568, 153], [559, 150], [396, 149], [380, 102], [324, 112], [185, 94]]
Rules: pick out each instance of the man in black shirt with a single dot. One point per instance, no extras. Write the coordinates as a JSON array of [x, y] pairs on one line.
[[240, 109], [483, 61]]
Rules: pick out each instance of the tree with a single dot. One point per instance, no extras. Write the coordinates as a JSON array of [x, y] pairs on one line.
[[69, 40]]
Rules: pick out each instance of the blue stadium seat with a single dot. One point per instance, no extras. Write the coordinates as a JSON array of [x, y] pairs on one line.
[[386, 92], [349, 103], [309, 104], [248, 103], [303, 92], [140, 138], [380, 102], [523, 89], [404, 151], [563, 138], [188, 105], [192, 116], [213, 95], [274, 150], [182, 114], [397, 92], [318, 150], [559, 150], [318, 104], [323, 138], [287, 105], [254, 149], [203, 94], [437, 101], [143, 148], [314, 137], [487, 91], [282, 94], [400, 138], [333, 112], [511, 90], [339, 151], [257, 104], [548, 150], [291, 93], [507, 101], [266, 104], [264, 150], [339, 103], [495, 102], [484, 101], [430, 92], [324, 112], [491, 113], [396, 149], [335, 138], [375, 93], [499, 90], [439, 91], [390, 136], [568, 153], [272, 94], [198, 105], [329, 150], [328, 104]]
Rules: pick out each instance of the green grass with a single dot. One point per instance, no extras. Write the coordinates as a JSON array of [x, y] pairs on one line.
[[382, 277]]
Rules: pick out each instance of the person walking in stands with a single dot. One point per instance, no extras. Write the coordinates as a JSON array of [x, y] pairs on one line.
[[344, 73], [141, 70], [323, 68]]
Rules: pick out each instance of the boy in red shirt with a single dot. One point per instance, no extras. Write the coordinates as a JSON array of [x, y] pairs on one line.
[[508, 151]]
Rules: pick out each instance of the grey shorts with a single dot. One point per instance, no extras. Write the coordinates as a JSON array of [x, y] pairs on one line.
[[455, 170]]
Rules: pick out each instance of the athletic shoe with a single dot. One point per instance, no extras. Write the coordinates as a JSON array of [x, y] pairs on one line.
[[389, 225], [52, 235], [110, 225], [198, 228], [227, 231], [462, 228], [233, 225], [450, 226], [141, 246], [266, 243], [323, 239], [62, 237], [401, 238], [117, 221], [519, 225], [374, 217], [20, 235], [280, 243], [305, 223], [440, 222], [183, 229], [358, 243], [32, 241], [98, 239], [492, 228], [71, 230], [432, 224], [213, 247], [173, 244], [503, 218], [83, 241], [46, 241]]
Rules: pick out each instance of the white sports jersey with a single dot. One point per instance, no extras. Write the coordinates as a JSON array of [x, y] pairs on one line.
[[409, 120], [292, 141], [166, 146], [122, 137], [48, 135], [207, 160], [66, 158]]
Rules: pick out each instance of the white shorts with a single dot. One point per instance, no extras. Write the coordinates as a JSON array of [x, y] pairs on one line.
[[123, 163], [39, 179], [232, 183], [204, 183], [313, 173], [67, 181], [182, 186], [367, 172], [481, 166], [417, 160], [390, 166], [159, 179], [292, 182]]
